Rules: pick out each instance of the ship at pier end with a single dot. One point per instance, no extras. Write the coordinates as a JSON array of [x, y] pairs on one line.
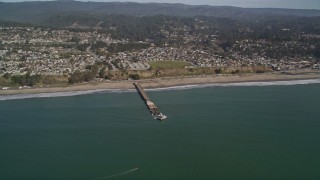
[[151, 106]]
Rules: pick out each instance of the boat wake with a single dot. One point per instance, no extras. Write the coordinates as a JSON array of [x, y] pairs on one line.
[[120, 174]]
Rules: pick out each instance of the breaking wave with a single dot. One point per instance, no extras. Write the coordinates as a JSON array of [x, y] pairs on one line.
[[61, 94], [241, 84], [184, 87]]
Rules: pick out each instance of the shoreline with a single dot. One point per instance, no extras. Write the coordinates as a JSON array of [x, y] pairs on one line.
[[170, 82]]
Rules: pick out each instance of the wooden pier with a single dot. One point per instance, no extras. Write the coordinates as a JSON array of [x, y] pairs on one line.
[[142, 93], [151, 106]]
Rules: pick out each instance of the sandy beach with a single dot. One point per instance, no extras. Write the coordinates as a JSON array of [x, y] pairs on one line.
[[169, 82]]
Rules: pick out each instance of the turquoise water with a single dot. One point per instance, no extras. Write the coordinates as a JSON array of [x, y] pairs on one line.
[[269, 132]]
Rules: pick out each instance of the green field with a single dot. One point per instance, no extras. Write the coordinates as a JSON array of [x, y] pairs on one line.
[[168, 64]]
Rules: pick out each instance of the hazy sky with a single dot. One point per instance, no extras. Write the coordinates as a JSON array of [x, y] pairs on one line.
[[296, 4]]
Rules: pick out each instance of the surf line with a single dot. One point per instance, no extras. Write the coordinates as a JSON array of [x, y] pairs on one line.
[[120, 174]]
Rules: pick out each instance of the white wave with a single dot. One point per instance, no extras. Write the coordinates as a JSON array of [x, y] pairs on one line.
[[184, 87], [241, 84], [61, 94]]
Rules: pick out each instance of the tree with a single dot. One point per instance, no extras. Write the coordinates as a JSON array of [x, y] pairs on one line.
[[135, 76], [102, 72], [7, 76], [76, 77], [218, 71], [83, 47], [75, 39], [19, 79], [33, 80], [89, 75]]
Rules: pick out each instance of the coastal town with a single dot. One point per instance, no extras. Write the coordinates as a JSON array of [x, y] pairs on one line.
[[62, 52], [159, 89]]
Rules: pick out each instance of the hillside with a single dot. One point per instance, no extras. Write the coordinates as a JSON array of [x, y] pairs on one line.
[[38, 12]]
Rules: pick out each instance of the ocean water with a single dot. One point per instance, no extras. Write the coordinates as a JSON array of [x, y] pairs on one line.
[[248, 131]]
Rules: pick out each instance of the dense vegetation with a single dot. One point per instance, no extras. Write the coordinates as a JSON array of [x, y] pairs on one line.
[[89, 75], [30, 80], [274, 30], [123, 21], [38, 12]]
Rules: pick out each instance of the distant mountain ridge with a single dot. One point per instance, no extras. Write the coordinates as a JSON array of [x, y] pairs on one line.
[[38, 12]]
